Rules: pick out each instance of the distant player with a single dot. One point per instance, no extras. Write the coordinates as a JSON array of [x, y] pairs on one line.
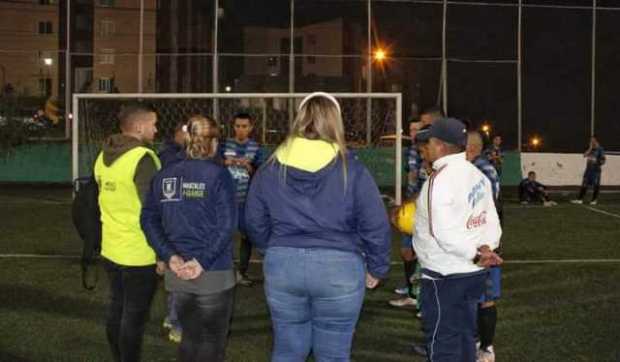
[[487, 310], [495, 154], [242, 155], [430, 115], [592, 176], [170, 150], [531, 190], [416, 176]]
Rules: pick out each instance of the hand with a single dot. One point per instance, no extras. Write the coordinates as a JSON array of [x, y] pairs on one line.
[[488, 258], [160, 268], [228, 161], [190, 270], [247, 164], [371, 282], [393, 215], [175, 263]]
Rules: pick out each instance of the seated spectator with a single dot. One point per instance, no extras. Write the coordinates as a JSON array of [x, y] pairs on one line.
[[531, 190]]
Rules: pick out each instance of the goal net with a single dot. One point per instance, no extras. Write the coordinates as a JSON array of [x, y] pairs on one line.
[[371, 121]]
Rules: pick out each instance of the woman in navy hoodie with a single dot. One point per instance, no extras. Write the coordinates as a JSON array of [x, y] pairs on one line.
[[189, 218], [316, 213]]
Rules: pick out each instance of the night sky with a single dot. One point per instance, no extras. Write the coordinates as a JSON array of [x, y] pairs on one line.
[[556, 60]]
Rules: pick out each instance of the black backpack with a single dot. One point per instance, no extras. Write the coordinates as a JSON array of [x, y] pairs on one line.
[[87, 221]]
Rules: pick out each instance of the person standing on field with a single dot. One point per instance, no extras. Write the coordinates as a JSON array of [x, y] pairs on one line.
[[316, 213], [243, 156], [123, 171], [456, 230]]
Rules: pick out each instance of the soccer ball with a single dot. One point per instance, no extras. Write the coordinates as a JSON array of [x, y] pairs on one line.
[[404, 219]]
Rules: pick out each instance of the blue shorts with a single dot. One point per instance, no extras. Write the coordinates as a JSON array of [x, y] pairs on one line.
[[405, 241], [492, 285]]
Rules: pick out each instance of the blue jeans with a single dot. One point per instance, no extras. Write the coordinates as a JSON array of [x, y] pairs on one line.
[[315, 297]]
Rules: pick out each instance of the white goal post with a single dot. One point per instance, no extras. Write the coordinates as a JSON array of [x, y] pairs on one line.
[[375, 115]]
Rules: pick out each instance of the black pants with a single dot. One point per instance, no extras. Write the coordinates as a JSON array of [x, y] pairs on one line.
[[205, 320], [131, 292], [530, 195], [590, 178], [244, 254]]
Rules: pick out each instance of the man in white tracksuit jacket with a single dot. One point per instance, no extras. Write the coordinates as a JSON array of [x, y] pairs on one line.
[[457, 228]]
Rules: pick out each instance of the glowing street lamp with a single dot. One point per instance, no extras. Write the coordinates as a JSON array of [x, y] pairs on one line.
[[535, 142], [486, 128], [380, 55]]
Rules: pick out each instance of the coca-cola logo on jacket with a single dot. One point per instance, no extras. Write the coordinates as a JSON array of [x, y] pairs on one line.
[[476, 221]]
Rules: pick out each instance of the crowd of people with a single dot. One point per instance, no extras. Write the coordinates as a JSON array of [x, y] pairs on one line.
[[314, 212]]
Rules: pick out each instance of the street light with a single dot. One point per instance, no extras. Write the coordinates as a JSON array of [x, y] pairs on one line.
[[380, 55], [535, 142], [486, 128], [48, 61]]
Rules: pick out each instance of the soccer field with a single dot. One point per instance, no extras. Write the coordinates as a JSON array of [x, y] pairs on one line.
[[561, 291]]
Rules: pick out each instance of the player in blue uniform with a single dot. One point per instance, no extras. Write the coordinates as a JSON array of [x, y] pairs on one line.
[[487, 309], [595, 156]]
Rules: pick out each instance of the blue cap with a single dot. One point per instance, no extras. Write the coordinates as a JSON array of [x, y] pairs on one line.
[[449, 130], [423, 134]]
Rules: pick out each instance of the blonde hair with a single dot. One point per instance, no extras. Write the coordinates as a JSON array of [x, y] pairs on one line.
[[319, 118], [201, 137]]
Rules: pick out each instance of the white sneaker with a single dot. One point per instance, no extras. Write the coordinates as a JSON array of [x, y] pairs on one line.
[[593, 202], [406, 302], [578, 202], [401, 291], [549, 203], [166, 324], [524, 202], [243, 280], [175, 335], [487, 355]]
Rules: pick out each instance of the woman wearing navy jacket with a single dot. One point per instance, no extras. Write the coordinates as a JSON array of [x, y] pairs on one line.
[[316, 213], [189, 218]]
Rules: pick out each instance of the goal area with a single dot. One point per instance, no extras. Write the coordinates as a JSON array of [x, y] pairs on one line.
[[372, 124]]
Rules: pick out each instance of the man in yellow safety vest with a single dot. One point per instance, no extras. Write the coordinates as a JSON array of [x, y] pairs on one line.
[[123, 171]]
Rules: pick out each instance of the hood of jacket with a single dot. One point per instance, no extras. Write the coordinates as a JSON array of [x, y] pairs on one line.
[[117, 145]]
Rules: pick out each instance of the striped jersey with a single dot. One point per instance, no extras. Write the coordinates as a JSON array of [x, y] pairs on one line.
[[415, 163], [490, 172], [250, 150]]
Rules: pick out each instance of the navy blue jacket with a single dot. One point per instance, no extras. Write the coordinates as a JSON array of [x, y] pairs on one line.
[[190, 211], [314, 210], [169, 153]]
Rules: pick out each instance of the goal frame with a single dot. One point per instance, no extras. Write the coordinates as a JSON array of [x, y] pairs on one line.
[[397, 97]]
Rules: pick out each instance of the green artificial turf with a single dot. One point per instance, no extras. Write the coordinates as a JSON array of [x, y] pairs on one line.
[[548, 312]]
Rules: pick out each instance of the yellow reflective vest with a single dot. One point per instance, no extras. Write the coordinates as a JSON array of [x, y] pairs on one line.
[[123, 241]]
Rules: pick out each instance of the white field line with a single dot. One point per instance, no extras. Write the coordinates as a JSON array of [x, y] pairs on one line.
[[603, 212], [259, 261], [559, 206]]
